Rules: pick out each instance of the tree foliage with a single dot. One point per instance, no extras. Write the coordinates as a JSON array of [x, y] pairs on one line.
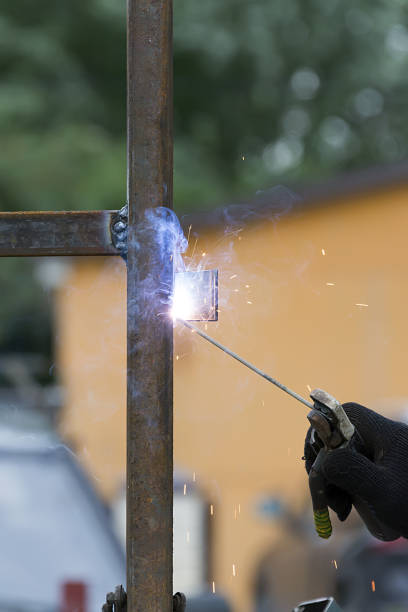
[[265, 92], [286, 90]]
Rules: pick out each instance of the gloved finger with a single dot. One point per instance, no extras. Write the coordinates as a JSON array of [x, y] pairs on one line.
[[374, 429], [374, 432], [353, 473], [309, 453], [368, 423], [339, 501]]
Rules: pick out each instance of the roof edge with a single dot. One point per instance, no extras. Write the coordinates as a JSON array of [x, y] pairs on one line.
[[271, 204]]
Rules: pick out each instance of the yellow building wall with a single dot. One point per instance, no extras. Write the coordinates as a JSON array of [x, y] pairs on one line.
[[317, 298]]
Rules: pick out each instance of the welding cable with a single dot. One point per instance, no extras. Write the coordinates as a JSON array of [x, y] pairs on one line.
[[246, 363], [322, 523]]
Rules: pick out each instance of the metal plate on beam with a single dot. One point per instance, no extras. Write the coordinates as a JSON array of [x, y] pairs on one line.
[[196, 295]]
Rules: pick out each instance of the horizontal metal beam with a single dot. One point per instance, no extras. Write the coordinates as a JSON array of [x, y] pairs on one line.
[[36, 234]]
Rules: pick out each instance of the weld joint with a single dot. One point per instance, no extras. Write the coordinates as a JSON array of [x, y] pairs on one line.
[[119, 231]]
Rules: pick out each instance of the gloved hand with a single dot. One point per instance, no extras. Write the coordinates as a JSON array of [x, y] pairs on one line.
[[371, 471]]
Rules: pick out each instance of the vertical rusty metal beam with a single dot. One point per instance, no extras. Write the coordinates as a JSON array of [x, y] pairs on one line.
[[150, 366]]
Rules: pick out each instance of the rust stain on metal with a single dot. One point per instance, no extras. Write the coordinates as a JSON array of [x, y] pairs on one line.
[[150, 368], [27, 234]]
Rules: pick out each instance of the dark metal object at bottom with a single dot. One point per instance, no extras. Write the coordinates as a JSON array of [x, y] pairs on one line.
[[326, 604], [117, 601], [179, 602]]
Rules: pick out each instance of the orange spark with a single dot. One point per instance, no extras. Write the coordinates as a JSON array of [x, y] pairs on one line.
[[373, 586]]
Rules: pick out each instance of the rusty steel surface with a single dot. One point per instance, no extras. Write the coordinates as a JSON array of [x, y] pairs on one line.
[[25, 234], [150, 366]]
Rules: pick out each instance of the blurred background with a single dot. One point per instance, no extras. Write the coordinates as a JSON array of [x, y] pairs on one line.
[[290, 178]]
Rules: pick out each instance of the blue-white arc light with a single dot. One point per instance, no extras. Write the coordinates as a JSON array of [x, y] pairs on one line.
[[195, 296]]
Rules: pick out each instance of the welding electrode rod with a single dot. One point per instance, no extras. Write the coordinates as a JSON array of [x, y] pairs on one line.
[[246, 363]]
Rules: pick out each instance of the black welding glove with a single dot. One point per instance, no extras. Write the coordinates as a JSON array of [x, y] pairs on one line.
[[372, 469]]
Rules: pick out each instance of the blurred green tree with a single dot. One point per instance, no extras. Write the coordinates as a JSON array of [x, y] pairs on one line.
[[284, 91], [265, 92]]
